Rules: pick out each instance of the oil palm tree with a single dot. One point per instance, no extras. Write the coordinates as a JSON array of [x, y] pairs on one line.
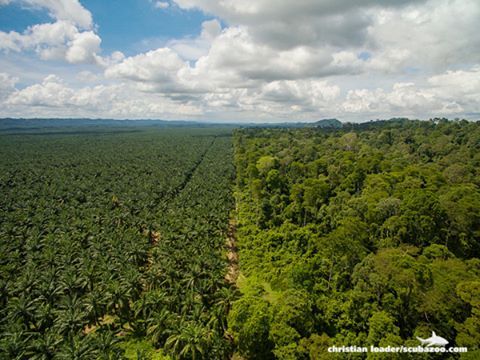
[[77, 348], [46, 345], [189, 340]]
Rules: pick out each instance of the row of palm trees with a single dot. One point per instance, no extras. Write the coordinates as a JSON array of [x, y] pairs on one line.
[[81, 275]]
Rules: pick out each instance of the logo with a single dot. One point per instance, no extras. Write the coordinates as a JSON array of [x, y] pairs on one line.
[[434, 344], [433, 340]]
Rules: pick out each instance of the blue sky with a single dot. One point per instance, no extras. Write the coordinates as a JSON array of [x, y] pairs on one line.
[[123, 25], [135, 21], [252, 60]]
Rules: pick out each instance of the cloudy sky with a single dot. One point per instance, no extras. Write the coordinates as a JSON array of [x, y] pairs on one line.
[[255, 60]]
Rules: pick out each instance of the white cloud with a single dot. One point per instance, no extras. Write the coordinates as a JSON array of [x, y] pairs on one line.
[[54, 41], [38, 36], [64, 10], [87, 77], [233, 60], [447, 94], [211, 29], [241, 57], [283, 99], [311, 93], [193, 49], [434, 36], [7, 85], [458, 83], [83, 48], [51, 92], [398, 34], [389, 60], [161, 4], [286, 24], [53, 97], [112, 59], [459, 90], [236, 50], [405, 99], [160, 67]]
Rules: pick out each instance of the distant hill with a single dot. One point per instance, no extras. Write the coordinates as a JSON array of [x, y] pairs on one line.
[[328, 123], [324, 123]]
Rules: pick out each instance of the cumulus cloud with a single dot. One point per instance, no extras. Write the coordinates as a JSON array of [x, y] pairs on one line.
[[83, 48], [193, 49], [459, 82], [258, 61], [51, 92], [459, 90], [439, 34], [450, 93], [38, 36], [324, 22], [247, 53], [69, 38], [311, 93], [53, 97], [235, 50], [156, 69], [7, 84], [283, 99], [404, 97], [233, 60], [64, 10], [54, 41], [397, 34]]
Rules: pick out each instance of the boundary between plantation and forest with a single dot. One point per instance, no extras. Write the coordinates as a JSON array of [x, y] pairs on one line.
[[232, 253]]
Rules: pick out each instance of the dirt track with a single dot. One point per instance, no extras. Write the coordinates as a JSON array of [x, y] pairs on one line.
[[232, 254]]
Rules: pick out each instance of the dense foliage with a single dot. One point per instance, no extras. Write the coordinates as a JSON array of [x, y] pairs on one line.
[[112, 244], [113, 241], [363, 236]]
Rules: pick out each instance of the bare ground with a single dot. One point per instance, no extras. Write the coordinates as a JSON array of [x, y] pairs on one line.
[[232, 253]]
